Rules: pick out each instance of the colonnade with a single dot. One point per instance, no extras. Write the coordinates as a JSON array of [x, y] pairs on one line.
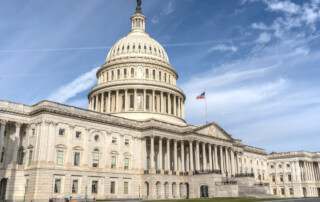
[[192, 156], [309, 170], [142, 100]]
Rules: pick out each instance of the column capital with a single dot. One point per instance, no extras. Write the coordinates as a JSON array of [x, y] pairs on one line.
[[18, 124], [3, 122]]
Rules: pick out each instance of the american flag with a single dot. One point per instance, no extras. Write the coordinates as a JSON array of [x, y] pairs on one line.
[[202, 96]]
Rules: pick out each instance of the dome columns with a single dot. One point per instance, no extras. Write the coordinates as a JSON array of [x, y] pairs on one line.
[[137, 100]]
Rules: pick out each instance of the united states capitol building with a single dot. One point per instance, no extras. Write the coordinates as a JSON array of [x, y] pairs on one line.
[[134, 142]]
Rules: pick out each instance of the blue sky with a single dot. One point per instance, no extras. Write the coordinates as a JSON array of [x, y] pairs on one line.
[[257, 59]]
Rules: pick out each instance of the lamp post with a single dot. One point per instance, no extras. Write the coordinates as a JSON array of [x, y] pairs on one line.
[[25, 192]]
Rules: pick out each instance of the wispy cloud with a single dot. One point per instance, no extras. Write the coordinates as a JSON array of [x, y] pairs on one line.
[[222, 47], [78, 85], [165, 12], [264, 38]]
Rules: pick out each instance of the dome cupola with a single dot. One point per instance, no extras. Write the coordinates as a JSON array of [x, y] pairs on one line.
[[137, 81]]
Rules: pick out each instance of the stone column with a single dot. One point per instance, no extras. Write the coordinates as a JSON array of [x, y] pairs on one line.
[[221, 161], [227, 160], [182, 156], [117, 101], [242, 164], [102, 102], [168, 154], [16, 142], [160, 154], [3, 128], [109, 102], [135, 103], [216, 165], [179, 107], [233, 164], [174, 105], [126, 100], [145, 100], [191, 156], [153, 101], [169, 103], [204, 156], [152, 152], [197, 156], [161, 104], [97, 101], [144, 153], [182, 109], [175, 155], [210, 157]]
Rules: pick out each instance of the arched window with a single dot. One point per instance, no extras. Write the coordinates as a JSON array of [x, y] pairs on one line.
[[165, 77], [154, 74], [123, 102], [139, 101], [156, 104], [167, 105], [147, 102], [118, 74], [159, 75], [107, 76], [132, 72], [139, 73], [95, 158], [131, 101], [147, 73], [112, 75], [125, 73]]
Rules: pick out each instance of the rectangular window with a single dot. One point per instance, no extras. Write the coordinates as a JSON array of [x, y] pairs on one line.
[[131, 102], [273, 178], [126, 188], [154, 74], [30, 157], [57, 186], [274, 191], [132, 72], [288, 165], [75, 186], [114, 140], [59, 157], [78, 134], [126, 163], [271, 166], [282, 191], [126, 142], [112, 75], [94, 189], [147, 102], [61, 132], [125, 73], [139, 102], [118, 74], [289, 178], [33, 132], [95, 159], [147, 73], [113, 162], [159, 76], [76, 158], [112, 187], [281, 178], [291, 191], [165, 77]]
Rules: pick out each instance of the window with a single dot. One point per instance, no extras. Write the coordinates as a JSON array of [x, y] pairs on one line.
[[147, 73], [126, 188], [96, 137], [78, 134], [291, 191], [281, 178], [288, 165], [126, 142], [61, 132], [75, 186], [95, 158], [131, 102], [113, 162], [57, 186], [112, 187], [147, 102], [59, 157], [125, 73], [154, 74], [112, 75], [107, 76], [273, 178], [272, 166], [30, 157], [76, 158], [139, 102], [165, 77], [33, 132], [126, 163], [139, 73], [159, 75], [123, 102], [280, 166], [132, 72], [289, 178], [114, 140], [118, 74], [2, 155], [274, 191], [282, 191], [94, 189]]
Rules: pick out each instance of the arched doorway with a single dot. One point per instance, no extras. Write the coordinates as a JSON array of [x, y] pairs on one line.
[[304, 192], [158, 185], [204, 191], [146, 190], [3, 188], [187, 190], [166, 189]]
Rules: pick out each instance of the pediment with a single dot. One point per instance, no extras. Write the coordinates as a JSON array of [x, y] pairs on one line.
[[213, 130]]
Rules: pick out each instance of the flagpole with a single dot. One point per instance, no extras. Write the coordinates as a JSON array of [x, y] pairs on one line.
[[205, 100]]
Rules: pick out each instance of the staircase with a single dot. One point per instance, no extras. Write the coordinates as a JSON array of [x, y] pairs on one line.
[[248, 188]]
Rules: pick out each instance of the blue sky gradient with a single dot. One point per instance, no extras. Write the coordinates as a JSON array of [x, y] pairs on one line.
[[259, 60]]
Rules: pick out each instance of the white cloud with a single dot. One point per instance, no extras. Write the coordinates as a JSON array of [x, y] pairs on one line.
[[259, 25], [264, 38], [165, 12], [169, 9], [78, 85], [223, 48], [285, 6]]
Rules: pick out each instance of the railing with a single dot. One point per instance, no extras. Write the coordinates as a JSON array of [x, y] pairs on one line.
[[245, 175], [199, 172], [226, 183]]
